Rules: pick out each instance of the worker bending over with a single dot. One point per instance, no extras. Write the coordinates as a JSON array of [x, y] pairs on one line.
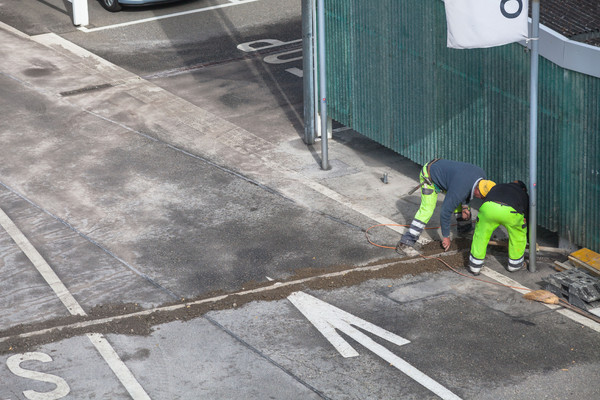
[[506, 204], [460, 182]]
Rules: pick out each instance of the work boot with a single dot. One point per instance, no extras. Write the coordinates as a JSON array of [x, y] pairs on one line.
[[475, 265], [511, 268], [474, 270], [407, 239]]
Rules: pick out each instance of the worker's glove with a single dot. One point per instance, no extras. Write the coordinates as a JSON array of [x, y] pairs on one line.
[[408, 239]]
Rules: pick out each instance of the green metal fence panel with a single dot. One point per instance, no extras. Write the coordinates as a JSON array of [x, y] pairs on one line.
[[392, 78]]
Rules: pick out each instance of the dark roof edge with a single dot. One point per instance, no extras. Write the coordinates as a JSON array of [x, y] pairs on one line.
[[566, 53]]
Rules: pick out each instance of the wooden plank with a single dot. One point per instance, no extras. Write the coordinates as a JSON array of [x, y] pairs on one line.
[[588, 257], [580, 264], [561, 266], [537, 247]]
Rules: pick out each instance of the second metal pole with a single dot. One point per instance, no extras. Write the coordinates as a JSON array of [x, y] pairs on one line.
[[307, 71], [322, 82], [535, 29]]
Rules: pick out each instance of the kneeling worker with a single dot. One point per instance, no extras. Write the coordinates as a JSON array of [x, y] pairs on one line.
[[506, 204], [460, 182]]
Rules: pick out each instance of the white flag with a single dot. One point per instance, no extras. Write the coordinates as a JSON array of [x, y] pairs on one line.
[[485, 23]]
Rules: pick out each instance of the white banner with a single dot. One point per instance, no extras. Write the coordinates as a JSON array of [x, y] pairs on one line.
[[485, 23]]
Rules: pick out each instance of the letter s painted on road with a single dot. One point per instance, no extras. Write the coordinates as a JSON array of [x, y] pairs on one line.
[[514, 14], [14, 364]]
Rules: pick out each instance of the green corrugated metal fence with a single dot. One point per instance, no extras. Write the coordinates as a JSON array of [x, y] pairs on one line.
[[392, 78]]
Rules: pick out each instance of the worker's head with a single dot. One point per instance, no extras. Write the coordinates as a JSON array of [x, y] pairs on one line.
[[522, 185], [483, 188]]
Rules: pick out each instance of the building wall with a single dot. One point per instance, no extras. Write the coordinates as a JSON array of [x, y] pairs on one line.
[[392, 78]]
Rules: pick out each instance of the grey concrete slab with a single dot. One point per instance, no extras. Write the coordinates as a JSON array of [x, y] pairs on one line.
[[174, 363]]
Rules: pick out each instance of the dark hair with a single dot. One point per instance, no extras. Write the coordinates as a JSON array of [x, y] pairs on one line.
[[522, 185]]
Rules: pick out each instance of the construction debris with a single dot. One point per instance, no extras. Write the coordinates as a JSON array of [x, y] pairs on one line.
[[562, 266], [576, 286]]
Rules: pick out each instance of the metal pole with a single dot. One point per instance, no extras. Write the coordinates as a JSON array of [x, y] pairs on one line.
[[307, 72], [315, 100], [535, 29], [322, 83]]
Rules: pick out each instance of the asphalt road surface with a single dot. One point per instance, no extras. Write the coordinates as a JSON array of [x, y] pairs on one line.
[[160, 208]]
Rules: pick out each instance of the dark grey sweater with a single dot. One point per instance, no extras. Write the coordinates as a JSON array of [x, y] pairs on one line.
[[458, 180]]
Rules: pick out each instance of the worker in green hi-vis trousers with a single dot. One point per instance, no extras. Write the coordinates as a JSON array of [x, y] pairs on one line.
[[506, 204]]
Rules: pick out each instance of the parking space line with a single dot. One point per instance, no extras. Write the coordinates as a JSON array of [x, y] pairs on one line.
[[141, 21], [41, 265], [100, 343], [118, 366]]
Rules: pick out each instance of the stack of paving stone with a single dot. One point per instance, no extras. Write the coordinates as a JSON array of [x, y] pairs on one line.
[[578, 282]]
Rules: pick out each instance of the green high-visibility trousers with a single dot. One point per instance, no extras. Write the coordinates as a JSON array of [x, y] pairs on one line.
[[491, 215], [428, 202], [429, 196]]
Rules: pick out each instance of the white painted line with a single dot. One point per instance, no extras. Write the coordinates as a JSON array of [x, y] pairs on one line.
[[41, 265], [327, 318], [567, 313], [141, 21], [503, 279], [324, 190], [118, 367], [104, 348], [295, 71], [276, 58]]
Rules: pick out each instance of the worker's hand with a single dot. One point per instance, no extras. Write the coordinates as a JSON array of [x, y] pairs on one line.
[[466, 214], [446, 243]]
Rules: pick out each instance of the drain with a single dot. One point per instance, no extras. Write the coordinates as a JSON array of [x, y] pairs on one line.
[[85, 89]]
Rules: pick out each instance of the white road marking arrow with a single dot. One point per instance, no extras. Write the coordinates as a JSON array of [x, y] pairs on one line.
[[327, 318]]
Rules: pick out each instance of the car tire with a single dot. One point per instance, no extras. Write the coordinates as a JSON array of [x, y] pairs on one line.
[[110, 5]]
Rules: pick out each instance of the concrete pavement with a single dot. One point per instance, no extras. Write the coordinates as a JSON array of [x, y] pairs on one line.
[[105, 172]]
